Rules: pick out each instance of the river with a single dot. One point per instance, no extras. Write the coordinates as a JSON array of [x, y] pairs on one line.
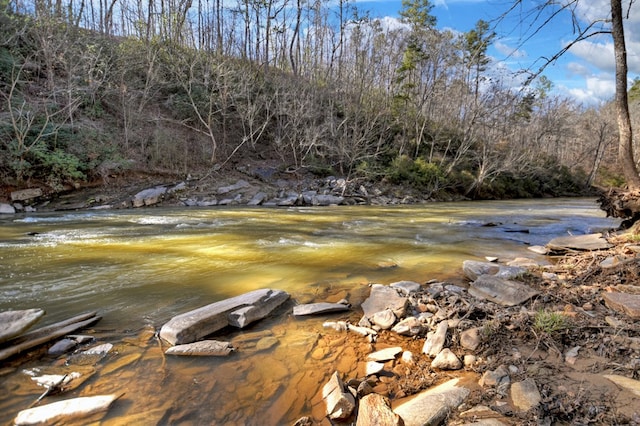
[[138, 268]]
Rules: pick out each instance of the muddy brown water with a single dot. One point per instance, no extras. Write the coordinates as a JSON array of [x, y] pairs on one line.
[[138, 268]]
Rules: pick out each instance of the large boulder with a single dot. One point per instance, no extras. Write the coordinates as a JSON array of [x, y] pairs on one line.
[[149, 197], [238, 311]]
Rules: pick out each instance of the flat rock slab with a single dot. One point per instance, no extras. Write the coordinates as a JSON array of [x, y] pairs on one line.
[[237, 311], [631, 385], [625, 303], [501, 291], [13, 323], [202, 348], [62, 412], [385, 354], [579, 242], [432, 406], [383, 297], [473, 269], [376, 409], [319, 308]]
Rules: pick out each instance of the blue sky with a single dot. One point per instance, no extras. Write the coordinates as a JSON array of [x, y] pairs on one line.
[[585, 73]]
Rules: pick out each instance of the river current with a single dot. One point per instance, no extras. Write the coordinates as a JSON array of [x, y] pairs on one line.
[[138, 268]]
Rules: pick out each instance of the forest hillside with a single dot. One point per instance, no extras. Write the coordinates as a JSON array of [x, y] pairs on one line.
[[92, 92]]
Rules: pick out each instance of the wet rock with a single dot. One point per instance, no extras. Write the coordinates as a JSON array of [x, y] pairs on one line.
[[385, 354], [500, 290], [149, 197], [410, 326], [65, 411], [384, 319], [16, 322], [62, 347], [266, 343], [625, 382], [319, 308], [383, 297], [579, 242], [406, 287], [238, 311], [471, 338], [525, 395], [628, 304], [473, 269], [376, 409], [432, 406], [7, 208], [446, 360], [202, 348], [435, 340], [340, 404]]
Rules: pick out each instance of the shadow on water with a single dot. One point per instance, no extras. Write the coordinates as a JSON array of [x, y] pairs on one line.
[[138, 268]]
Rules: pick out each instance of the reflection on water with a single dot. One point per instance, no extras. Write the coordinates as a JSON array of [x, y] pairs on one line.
[[138, 268]]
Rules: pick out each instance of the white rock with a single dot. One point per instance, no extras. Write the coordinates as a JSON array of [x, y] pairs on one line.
[[373, 367], [432, 406], [65, 411], [435, 340], [385, 354], [446, 360]]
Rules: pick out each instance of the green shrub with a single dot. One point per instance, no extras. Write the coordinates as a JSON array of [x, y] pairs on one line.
[[418, 173]]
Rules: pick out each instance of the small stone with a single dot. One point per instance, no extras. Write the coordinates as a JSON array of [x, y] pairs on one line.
[[62, 347], [470, 339], [406, 287], [373, 367], [407, 357], [410, 326], [525, 395], [571, 356], [496, 377], [384, 319], [446, 360], [364, 388], [435, 340], [469, 360]]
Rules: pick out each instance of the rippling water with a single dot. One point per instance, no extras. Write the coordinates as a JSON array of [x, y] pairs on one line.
[[139, 268]]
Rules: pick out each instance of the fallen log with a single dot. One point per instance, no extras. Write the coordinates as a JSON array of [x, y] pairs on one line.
[[622, 204], [45, 334]]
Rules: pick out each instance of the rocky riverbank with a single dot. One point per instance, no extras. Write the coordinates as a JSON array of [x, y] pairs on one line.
[[250, 185], [523, 343]]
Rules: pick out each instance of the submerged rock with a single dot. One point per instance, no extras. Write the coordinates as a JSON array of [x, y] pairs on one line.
[[202, 348], [319, 308]]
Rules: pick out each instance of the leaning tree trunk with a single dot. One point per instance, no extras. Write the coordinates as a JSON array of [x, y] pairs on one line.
[[625, 143]]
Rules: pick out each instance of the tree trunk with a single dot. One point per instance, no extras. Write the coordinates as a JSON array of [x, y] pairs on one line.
[[625, 144]]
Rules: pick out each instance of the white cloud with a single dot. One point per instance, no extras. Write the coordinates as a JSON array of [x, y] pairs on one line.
[[509, 51]]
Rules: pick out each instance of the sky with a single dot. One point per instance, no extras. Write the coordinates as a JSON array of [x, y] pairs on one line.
[[585, 73]]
